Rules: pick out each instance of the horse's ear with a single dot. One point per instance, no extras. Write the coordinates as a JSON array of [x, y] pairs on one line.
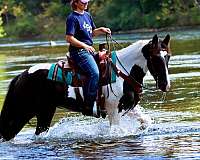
[[155, 40], [145, 51], [166, 40]]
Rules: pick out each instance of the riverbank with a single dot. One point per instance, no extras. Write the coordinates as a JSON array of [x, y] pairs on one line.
[[56, 37], [166, 29]]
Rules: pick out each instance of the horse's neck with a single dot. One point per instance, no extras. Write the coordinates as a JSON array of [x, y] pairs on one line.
[[132, 55]]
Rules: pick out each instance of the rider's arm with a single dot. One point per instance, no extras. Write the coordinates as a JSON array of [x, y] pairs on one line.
[[101, 30]]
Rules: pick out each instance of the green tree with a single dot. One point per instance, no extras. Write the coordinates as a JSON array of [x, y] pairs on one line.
[[47, 17], [2, 32]]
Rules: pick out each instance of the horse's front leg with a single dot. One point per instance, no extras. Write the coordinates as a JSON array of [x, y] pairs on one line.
[[112, 112]]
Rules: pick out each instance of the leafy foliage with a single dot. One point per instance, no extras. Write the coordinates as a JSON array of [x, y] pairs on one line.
[[34, 17], [2, 32], [27, 26]]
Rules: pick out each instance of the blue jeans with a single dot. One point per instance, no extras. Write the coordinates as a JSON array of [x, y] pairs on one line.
[[85, 60]]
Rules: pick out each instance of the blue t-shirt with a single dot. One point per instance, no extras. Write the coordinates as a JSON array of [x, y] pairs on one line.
[[81, 27]]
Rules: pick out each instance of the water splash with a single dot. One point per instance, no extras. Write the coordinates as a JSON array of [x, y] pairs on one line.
[[133, 123], [81, 128]]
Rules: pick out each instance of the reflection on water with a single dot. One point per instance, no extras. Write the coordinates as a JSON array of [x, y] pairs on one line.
[[174, 132]]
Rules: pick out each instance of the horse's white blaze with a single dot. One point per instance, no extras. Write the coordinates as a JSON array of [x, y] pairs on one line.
[[168, 80], [38, 67], [163, 54]]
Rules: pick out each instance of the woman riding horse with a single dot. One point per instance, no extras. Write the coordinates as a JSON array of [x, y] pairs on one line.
[[79, 31], [32, 94]]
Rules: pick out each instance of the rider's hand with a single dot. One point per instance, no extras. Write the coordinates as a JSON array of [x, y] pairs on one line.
[[106, 30], [89, 48]]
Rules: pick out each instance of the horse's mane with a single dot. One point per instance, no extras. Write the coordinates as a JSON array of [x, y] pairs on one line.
[[133, 55], [136, 46]]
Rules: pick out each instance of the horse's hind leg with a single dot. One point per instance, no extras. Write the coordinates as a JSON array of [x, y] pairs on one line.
[[44, 119]]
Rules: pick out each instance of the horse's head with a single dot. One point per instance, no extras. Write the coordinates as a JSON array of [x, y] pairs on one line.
[[157, 54]]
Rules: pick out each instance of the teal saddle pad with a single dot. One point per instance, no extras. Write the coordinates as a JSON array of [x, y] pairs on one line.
[[56, 74]]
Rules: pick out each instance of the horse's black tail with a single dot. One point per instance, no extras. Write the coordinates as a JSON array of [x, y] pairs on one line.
[[10, 94], [8, 103]]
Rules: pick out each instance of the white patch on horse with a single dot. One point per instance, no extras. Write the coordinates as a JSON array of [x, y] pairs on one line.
[[38, 67]]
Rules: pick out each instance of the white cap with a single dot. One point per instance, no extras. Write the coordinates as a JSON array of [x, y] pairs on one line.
[[84, 1]]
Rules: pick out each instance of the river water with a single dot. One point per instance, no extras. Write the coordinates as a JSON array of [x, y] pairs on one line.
[[173, 121]]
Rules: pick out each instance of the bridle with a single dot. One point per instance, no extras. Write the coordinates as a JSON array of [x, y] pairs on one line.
[[109, 39]]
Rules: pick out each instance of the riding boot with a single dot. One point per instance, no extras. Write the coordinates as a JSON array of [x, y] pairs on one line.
[[91, 110]]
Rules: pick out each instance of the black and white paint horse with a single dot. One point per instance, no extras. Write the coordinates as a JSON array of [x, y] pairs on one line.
[[31, 94]]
